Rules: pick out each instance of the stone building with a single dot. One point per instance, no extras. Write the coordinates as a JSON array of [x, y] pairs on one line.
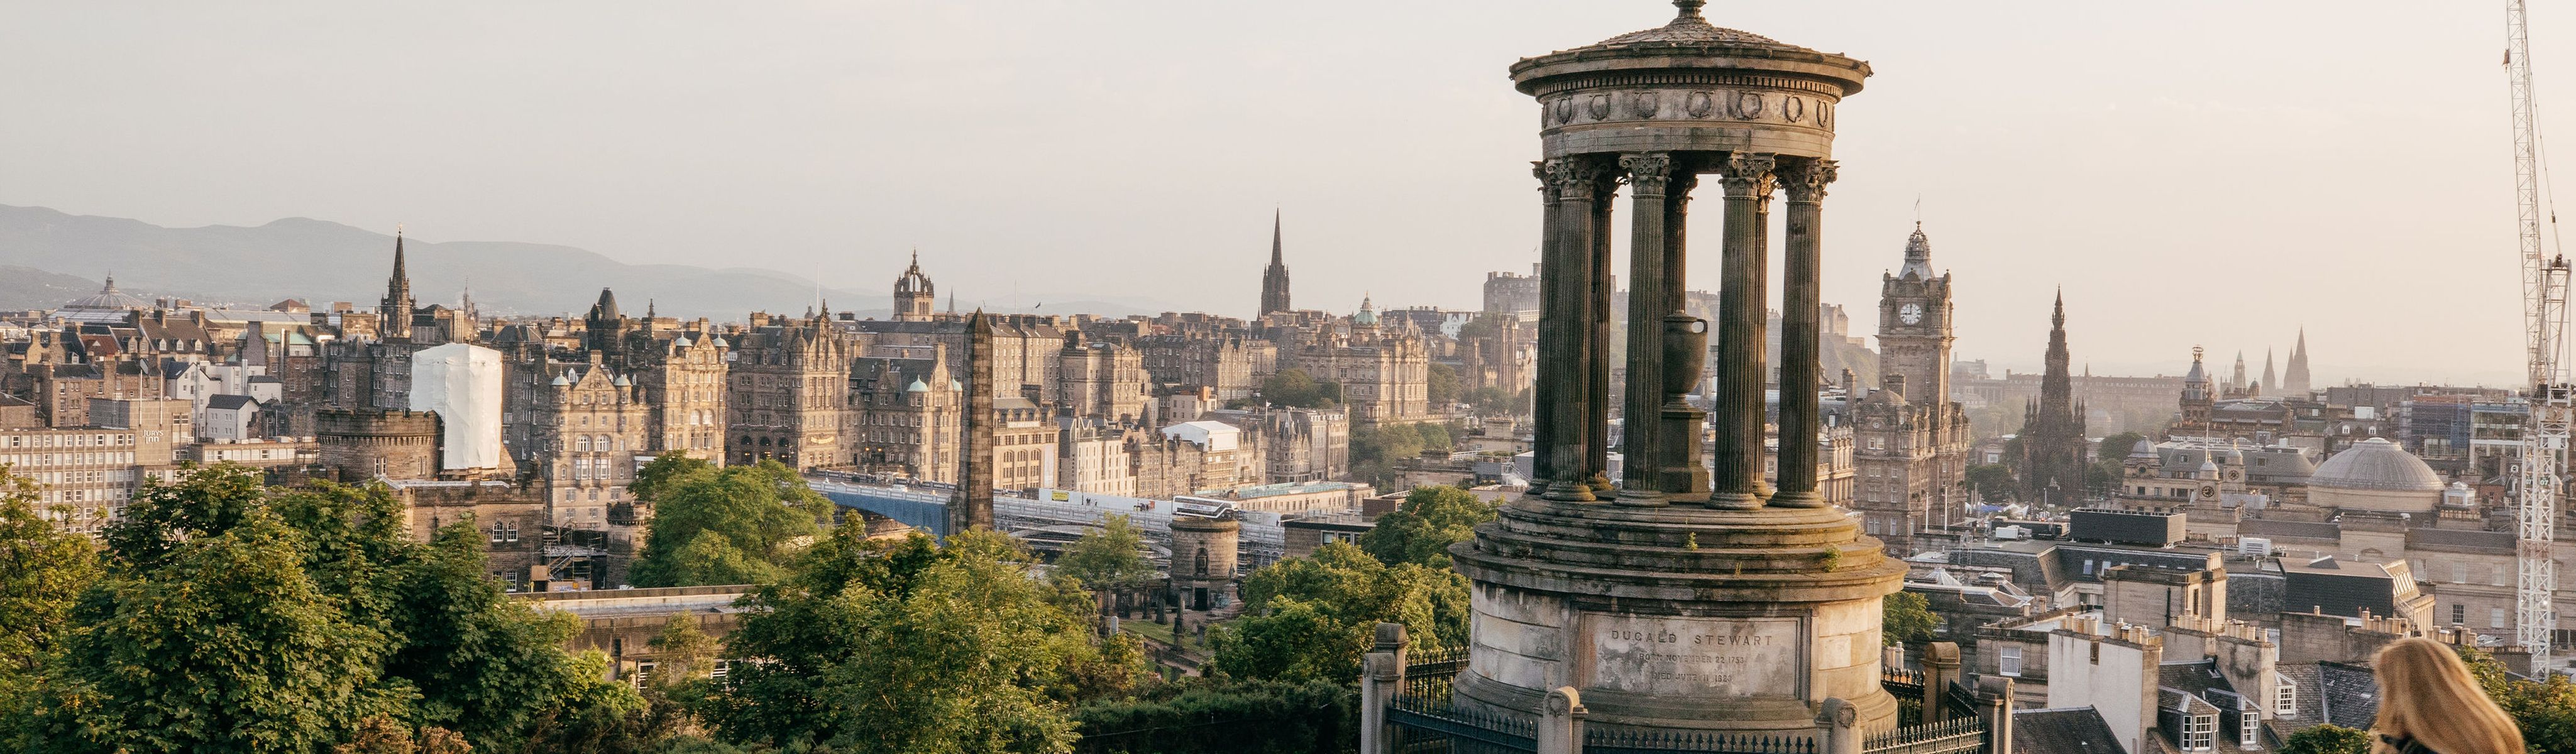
[[1093, 457], [1298, 444], [587, 428], [1384, 371], [1513, 293], [788, 385], [2053, 453], [1910, 441], [1102, 380], [1224, 363], [1027, 349], [1187, 457], [905, 417], [87, 475]]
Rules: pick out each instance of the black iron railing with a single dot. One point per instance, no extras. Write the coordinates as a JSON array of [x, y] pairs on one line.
[[1962, 735], [1608, 741]]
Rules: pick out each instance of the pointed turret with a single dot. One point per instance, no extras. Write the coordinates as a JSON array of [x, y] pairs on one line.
[[2295, 380], [914, 295], [1918, 255]]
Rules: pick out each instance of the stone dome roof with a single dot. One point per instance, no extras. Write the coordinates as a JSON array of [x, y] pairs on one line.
[[1690, 29], [2376, 464]]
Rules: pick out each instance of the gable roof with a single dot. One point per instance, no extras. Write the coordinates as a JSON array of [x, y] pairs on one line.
[[2065, 730]]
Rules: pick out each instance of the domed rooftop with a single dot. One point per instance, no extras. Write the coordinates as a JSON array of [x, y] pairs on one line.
[[108, 299], [2376, 464], [1689, 28]]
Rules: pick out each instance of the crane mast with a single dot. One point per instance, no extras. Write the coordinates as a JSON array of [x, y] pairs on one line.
[[2544, 441]]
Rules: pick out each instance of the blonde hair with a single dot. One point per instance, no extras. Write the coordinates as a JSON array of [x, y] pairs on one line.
[[2427, 694]]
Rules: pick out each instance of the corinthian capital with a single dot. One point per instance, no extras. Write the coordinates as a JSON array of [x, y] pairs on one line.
[[1648, 174], [1805, 180], [1574, 179], [1747, 174]]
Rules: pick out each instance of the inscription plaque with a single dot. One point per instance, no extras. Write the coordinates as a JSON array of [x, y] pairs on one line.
[[1697, 657]]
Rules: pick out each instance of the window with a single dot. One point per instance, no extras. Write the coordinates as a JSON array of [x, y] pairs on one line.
[[2500, 579], [2459, 573], [2459, 614], [2285, 696], [2008, 661], [2495, 617], [2249, 729], [2199, 732]]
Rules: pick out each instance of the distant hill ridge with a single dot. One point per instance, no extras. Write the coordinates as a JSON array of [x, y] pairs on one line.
[[322, 262]]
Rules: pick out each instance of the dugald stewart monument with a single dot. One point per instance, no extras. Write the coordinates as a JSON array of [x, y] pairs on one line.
[[1679, 597]]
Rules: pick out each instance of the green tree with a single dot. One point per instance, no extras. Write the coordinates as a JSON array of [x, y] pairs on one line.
[[1295, 388], [1993, 482], [1312, 618], [2545, 710], [486, 666], [1490, 401], [42, 573], [903, 646], [207, 635], [1110, 557], [1443, 387], [1906, 617], [2327, 739], [1421, 529], [734, 525], [682, 652]]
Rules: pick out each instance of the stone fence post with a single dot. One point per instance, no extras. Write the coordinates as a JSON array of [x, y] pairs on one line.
[[1560, 726], [1940, 669], [1381, 678], [1995, 704], [1838, 727]]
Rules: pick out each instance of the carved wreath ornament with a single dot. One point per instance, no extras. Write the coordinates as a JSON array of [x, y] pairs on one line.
[[1700, 105]]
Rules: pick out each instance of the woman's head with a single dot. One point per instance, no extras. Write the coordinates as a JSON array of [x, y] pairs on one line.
[[2426, 693]]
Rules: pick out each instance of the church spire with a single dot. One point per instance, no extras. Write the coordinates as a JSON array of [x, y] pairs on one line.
[[1274, 280], [394, 312]]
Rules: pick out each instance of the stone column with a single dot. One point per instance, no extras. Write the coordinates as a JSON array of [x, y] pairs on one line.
[[1741, 310], [1597, 353], [1837, 727], [1563, 326], [1995, 697], [1801, 305], [1685, 470], [1648, 284]]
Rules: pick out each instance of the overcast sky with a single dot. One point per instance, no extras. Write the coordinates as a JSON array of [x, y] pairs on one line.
[[2214, 172]]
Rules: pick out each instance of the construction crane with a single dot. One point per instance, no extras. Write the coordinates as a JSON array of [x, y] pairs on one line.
[[2544, 293]]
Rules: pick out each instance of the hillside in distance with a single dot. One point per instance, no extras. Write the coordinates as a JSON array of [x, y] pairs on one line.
[[322, 262]]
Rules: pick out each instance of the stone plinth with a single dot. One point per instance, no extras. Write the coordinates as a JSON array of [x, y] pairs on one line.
[[1203, 560], [1678, 617]]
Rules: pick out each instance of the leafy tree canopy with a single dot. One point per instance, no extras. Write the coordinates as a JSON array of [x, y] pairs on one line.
[[1295, 388], [1443, 387], [734, 525], [1907, 618], [2327, 739], [1110, 557], [1312, 618], [903, 646], [1421, 529]]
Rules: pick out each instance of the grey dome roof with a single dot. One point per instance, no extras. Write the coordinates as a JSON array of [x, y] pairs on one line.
[[1688, 28], [2376, 464], [108, 299]]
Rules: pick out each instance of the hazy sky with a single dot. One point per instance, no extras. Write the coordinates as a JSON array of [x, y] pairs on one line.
[[2213, 172]]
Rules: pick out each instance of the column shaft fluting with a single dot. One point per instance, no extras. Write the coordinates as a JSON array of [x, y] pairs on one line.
[[1597, 359], [1565, 276], [1642, 413], [1742, 307], [1801, 311]]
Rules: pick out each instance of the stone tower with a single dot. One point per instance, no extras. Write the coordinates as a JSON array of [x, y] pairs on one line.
[[1680, 600], [2197, 398], [2295, 381], [603, 330], [394, 312], [1914, 327], [2052, 428], [1203, 560], [2236, 380], [973, 508], [1274, 280], [913, 294]]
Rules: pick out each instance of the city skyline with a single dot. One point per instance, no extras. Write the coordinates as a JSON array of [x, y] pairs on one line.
[[554, 125]]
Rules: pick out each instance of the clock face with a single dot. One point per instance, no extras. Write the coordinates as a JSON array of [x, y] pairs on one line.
[[1910, 314]]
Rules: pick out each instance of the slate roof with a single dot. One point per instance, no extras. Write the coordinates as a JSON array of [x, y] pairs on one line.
[[2351, 694], [2194, 677], [2065, 730], [2260, 527], [2462, 539], [231, 402]]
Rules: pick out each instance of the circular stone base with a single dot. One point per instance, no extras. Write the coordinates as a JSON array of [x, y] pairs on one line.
[[1677, 618]]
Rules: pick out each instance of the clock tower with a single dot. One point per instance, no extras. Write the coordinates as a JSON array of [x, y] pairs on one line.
[[1914, 327]]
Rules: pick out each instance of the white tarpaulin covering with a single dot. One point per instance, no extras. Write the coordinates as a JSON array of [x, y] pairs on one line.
[[462, 383]]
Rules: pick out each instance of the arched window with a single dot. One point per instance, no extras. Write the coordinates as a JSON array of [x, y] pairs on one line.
[[1202, 561], [581, 444]]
